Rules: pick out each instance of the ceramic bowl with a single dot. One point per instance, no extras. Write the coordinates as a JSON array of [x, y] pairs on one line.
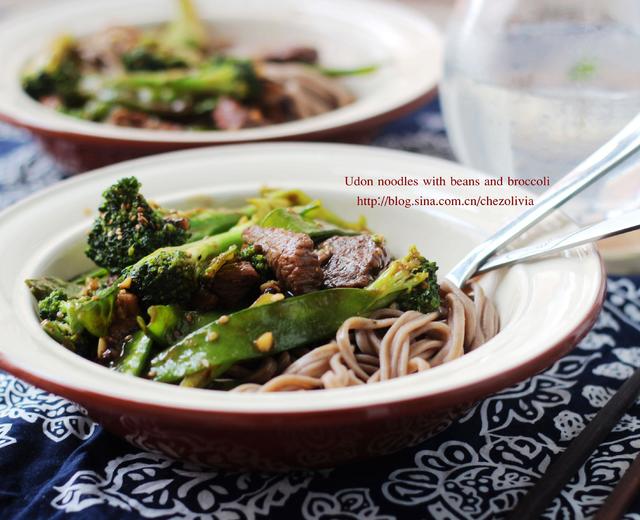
[[545, 307], [405, 45]]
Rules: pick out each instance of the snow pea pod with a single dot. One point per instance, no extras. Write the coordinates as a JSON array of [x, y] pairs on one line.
[[208, 222], [265, 330], [170, 323], [135, 355], [286, 218]]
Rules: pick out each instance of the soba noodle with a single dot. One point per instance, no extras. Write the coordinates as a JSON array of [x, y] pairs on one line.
[[388, 344]]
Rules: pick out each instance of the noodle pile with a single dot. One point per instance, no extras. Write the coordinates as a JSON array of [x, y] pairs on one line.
[[389, 344]]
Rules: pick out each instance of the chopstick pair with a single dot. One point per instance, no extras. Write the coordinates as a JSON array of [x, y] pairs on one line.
[[536, 501]]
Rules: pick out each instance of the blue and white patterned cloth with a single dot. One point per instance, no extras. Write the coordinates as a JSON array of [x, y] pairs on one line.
[[57, 463]]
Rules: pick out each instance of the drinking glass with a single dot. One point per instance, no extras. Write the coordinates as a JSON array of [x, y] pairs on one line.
[[531, 88]]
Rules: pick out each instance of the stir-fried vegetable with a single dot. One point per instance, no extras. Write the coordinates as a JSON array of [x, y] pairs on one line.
[[170, 323], [66, 319], [187, 313], [284, 325], [59, 76], [128, 228], [222, 77], [136, 352], [177, 76]]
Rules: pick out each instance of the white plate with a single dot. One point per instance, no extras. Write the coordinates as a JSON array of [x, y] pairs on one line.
[[348, 33]]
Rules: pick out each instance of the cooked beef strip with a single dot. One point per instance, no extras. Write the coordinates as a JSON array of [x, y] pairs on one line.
[[229, 114], [294, 53], [204, 300], [234, 282], [275, 104], [353, 261], [290, 255], [310, 92]]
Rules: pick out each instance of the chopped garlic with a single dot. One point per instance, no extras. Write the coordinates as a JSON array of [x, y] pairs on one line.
[[265, 342], [126, 283]]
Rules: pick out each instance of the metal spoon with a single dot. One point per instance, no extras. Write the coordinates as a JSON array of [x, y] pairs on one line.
[[623, 223], [602, 161]]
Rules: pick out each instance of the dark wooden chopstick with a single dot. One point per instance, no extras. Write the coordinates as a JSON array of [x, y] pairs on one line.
[[622, 495], [536, 501]]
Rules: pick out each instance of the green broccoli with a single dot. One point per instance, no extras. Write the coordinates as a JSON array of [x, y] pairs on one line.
[[424, 297], [222, 77], [60, 75], [51, 307], [146, 57], [128, 228], [173, 274], [257, 260], [69, 320]]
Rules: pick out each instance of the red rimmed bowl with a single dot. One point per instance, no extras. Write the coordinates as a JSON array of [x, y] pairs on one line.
[[406, 46], [545, 308]]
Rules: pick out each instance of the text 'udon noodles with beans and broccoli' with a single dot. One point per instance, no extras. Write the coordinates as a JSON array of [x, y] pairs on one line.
[[181, 76], [280, 294]]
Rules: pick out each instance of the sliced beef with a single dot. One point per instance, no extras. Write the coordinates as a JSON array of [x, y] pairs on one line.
[[351, 261], [234, 282], [275, 104], [204, 300], [229, 114], [309, 91], [294, 53], [290, 255]]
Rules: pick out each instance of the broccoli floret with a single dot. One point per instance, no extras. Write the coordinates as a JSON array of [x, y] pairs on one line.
[[424, 297], [173, 274], [51, 307], [128, 228], [146, 58], [406, 278], [166, 276], [257, 260], [72, 321], [60, 76]]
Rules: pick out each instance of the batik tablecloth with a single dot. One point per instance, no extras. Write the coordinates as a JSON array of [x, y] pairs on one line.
[[55, 462]]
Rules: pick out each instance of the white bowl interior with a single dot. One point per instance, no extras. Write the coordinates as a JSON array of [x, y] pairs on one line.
[[406, 46], [46, 234]]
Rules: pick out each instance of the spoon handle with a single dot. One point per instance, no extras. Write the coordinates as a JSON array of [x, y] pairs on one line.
[[607, 228], [598, 164]]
